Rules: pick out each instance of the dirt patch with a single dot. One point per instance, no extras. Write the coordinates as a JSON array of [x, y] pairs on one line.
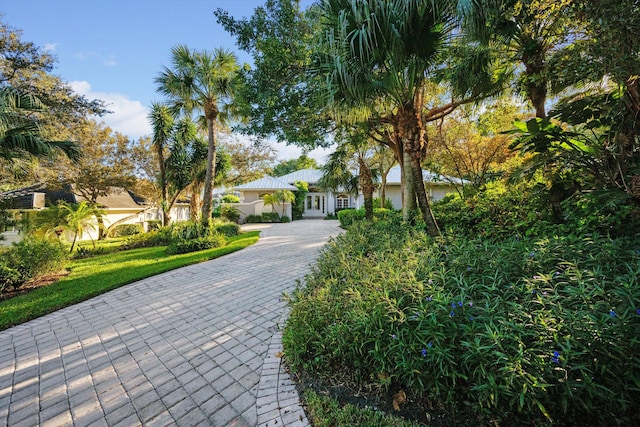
[[38, 282]]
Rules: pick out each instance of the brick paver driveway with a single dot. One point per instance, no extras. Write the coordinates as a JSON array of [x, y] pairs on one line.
[[193, 346]]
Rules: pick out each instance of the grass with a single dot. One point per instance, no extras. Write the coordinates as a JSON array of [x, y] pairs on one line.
[[93, 276], [324, 411]]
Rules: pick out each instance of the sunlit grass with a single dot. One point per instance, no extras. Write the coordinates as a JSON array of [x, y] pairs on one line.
[[93, 276]]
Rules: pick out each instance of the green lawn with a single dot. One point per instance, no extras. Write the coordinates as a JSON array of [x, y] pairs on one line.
[[93, 276]]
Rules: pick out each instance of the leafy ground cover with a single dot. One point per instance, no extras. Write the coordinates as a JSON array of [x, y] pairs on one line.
[[93, 276], [515, 330]]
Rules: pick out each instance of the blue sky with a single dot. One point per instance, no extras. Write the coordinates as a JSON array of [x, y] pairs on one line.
[[113, 49]]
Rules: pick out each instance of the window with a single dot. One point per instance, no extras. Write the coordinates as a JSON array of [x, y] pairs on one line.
[[342, 201]]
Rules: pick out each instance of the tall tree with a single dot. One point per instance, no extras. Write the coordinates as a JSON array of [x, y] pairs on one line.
[[203, 82], [279, 96], [250, 159], [292, 165], [530, 32], [385, 50], [162, 122]]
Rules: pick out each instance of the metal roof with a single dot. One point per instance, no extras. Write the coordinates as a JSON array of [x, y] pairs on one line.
[[310, 176], [395, 177], [266, 183]]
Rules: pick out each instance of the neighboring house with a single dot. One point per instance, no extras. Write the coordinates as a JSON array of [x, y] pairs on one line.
[[320, 203], [120, 207]]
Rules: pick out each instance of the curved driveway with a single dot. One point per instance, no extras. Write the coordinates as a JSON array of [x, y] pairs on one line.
[[193, 346]]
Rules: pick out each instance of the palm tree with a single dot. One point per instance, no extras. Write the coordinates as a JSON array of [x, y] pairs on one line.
[[280, 197], [203, 82], [19, 133], [354, 152], [76, 218], [385, 50], [529, 31], [162, 124], [81, 217]]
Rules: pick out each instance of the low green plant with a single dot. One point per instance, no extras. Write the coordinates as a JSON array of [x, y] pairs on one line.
[[160, 237], [230, 213], [285, 219], [10, 278], [197, 244], [516, 330], [125, 230], [269, 217], [348, 216], [388, 204], [326, 412], [253, 219], [30, 258], [230, 198], [227, 228]]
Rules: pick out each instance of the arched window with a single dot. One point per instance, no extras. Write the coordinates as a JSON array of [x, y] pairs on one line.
[[342, 201]]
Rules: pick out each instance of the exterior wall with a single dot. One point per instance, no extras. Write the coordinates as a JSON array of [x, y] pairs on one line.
[[436, 193], [250, 196], [439, 192], [257, 207]]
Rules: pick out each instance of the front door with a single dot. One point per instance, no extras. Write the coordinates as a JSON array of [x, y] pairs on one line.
[[315, 205]]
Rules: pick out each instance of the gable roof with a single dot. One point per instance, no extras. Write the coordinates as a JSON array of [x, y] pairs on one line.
[[39, 196], [395, 178], [35, 196], [267, 183], [310, 176]]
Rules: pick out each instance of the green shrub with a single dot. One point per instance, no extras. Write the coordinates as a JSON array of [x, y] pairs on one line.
[[230, 198], [349, 216], [285, 219], [519, 330], [198, 244], [9, 277], [154, 224], [125, 230], [230, 213], [297, 208], [388, 204], [30, 258], [187, 230], [269, 217], [160, 237], [86, 252], [227, 229], [253, 219]]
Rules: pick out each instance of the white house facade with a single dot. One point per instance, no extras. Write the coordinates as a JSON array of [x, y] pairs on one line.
[[320, 203]]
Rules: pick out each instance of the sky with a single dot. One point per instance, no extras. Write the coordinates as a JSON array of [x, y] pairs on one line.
[[113, 49]]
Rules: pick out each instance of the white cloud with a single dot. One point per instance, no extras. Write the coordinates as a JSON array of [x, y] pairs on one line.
[[109, 60], [128, 117], [50, 47]]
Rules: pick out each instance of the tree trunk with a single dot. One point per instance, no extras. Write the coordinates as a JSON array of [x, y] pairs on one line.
[[408, 187], [207, 199], [194, 203], [536, 82], [412, 135], [366, 183]]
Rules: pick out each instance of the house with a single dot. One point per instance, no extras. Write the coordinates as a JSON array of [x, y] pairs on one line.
[[120, 206], [320, 203], [437, 186]]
